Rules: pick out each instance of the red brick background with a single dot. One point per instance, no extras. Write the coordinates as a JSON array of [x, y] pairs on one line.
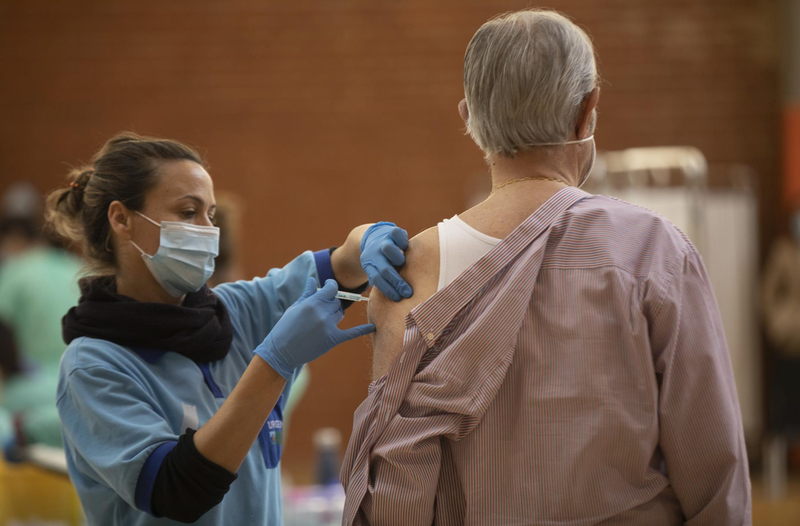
[[324, 114]]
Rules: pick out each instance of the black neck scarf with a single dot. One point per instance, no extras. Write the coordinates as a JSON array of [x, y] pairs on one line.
[[200, 329]]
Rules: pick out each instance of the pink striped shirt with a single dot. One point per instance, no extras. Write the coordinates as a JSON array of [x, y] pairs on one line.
[[577, 374]]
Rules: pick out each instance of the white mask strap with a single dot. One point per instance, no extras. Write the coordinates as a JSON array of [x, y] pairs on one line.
[[139, 249], [578, 141], [144, 216], [137, 246]]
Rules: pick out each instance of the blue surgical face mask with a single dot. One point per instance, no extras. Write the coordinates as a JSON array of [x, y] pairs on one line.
[[580, 141], [185, 258]]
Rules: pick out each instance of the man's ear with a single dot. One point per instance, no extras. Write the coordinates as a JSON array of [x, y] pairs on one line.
[[463, 110], [588, 106], [120, 219]]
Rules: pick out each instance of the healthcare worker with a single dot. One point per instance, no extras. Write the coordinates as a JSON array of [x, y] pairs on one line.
[[167, 415]]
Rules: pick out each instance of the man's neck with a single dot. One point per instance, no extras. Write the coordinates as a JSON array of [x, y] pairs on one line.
[[515, 196], [551, 162]]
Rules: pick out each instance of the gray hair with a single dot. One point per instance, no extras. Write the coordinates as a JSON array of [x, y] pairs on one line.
[[525, 76]]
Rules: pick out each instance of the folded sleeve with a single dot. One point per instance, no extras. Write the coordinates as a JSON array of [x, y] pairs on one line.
[[255, 306], [403, 480], [187, 484], [393, 480], [111, 425], [701, 432], [394, 465]]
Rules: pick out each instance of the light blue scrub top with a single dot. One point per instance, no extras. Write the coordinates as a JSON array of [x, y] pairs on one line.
[[123, 409]]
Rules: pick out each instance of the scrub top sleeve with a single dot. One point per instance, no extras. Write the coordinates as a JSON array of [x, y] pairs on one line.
[[111, 426], [255, 306]]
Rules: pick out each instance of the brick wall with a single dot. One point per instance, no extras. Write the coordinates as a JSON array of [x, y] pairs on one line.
[[323, 115]]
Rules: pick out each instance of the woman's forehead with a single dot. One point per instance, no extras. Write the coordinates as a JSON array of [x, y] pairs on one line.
[[184, 178]]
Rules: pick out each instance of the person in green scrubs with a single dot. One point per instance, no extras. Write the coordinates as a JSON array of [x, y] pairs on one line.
[[38, 286]]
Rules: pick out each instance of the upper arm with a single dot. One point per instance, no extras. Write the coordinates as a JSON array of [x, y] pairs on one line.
[[421, 271], [700, 425]]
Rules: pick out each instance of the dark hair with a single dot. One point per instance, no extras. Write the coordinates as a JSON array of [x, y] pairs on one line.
[[27, 227], [10, 364], [124, 169]]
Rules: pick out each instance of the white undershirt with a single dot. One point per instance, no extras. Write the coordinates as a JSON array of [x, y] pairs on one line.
[[460, 247]]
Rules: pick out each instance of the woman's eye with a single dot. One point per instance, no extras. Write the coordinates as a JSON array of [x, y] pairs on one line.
[[188, 214], [213, 220]]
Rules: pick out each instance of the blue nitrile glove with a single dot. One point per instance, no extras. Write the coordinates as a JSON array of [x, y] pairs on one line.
[[308, 329], [382, 247]]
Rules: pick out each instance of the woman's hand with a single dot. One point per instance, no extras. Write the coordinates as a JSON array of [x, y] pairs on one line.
[[382, 252], [373, 253], [307, 330]]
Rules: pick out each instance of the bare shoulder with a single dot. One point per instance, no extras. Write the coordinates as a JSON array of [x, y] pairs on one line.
[[421, 271]]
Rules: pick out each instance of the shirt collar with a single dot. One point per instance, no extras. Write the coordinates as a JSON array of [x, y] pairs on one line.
[[435, 313]]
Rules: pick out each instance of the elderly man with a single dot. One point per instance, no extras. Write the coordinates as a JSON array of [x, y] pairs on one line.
[[562, 360]]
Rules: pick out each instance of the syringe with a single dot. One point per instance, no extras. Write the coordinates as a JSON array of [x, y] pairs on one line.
[[349, 296]]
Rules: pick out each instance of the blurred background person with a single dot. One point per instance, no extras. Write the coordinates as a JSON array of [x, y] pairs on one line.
[[780, 309], [781, 290], [38, 280], [26, 398], [9, 366], [20, 220], [38, 284]]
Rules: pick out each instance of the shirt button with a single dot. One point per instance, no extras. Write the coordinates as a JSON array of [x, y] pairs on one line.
[[386, 419], [402, 357], [430, 337]]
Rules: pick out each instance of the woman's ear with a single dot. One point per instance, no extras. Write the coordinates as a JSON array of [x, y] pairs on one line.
[[120, 218], [588, 106], [463, 110]]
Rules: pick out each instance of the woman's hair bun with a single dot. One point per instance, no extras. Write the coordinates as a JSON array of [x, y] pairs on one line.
[[64, 206]]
